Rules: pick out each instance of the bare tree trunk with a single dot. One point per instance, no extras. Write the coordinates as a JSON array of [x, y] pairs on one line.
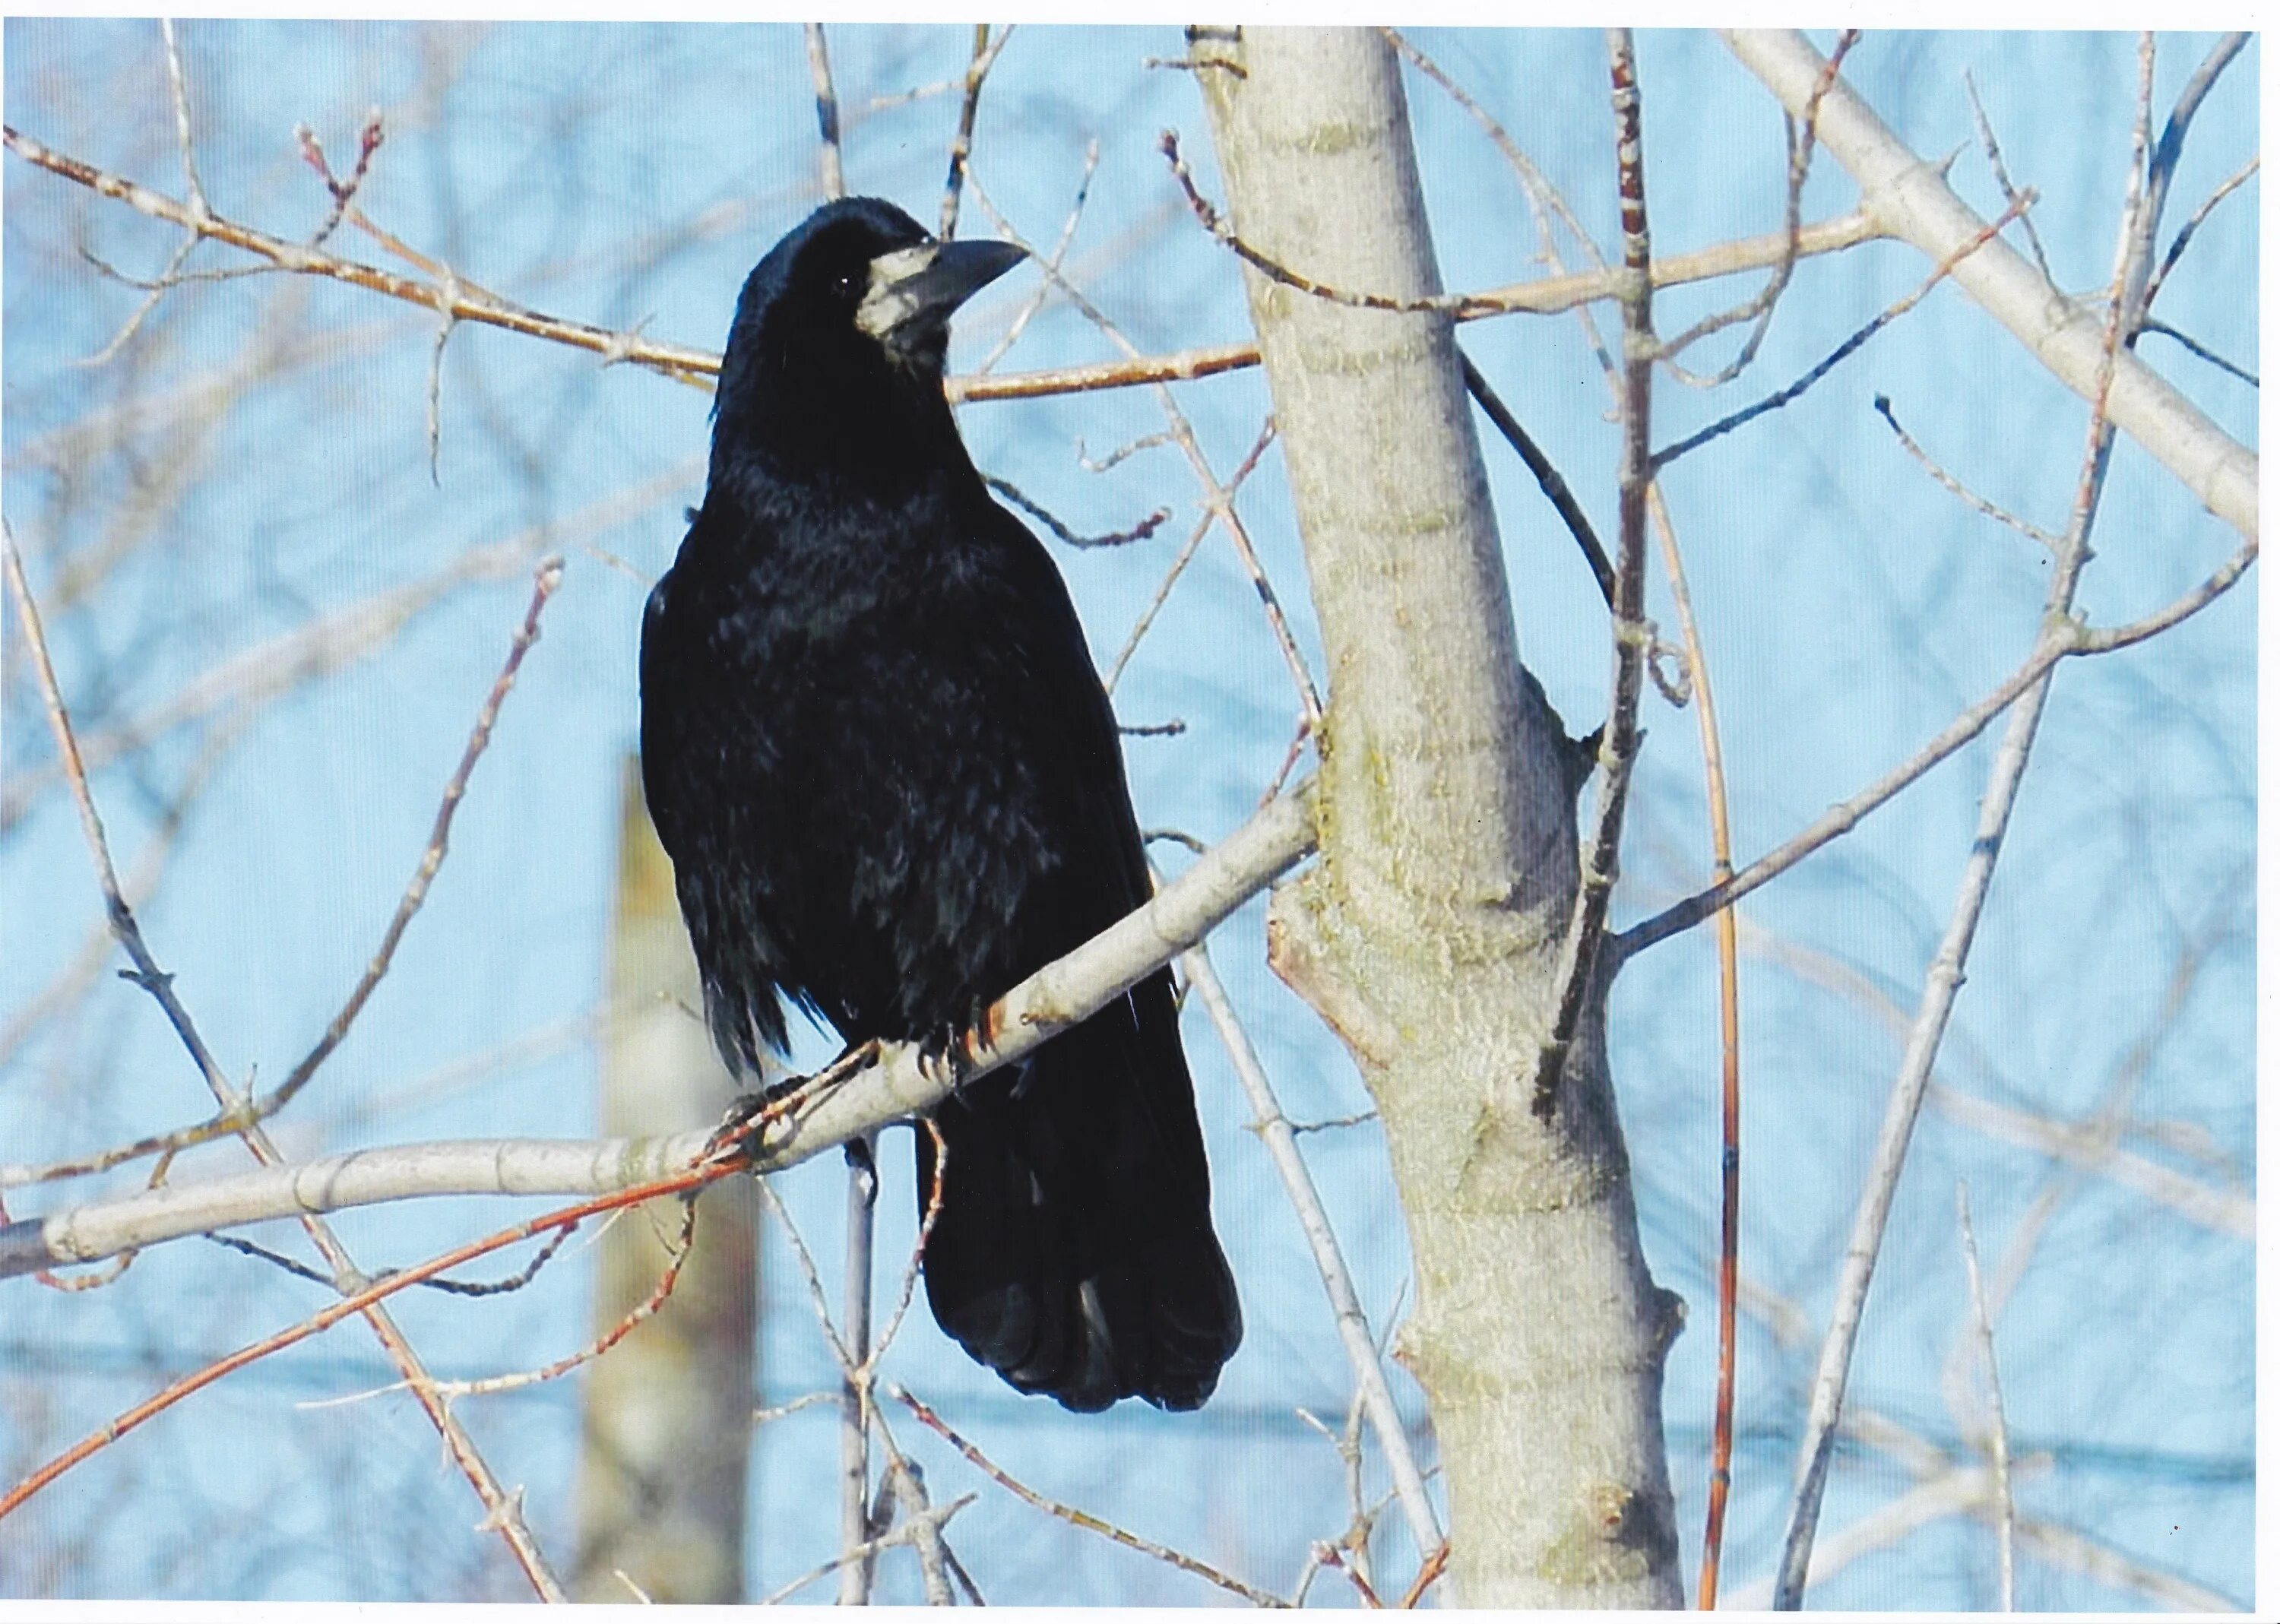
[[1429, 936], [669, 1413]]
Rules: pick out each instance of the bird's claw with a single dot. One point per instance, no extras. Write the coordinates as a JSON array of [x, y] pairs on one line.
[[746, 1119]]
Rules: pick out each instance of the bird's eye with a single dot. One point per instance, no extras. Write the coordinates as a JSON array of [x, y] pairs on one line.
[[845, 282]]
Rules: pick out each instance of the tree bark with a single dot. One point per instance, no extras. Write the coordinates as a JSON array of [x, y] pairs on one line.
[[1429, 936], [668, 1414]]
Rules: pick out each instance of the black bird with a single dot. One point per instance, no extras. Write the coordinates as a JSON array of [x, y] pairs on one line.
[[875, 745]]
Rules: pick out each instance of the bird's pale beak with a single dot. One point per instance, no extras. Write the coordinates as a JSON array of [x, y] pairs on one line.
[[923, 284]]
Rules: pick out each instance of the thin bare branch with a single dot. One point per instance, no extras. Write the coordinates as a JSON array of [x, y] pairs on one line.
[[961, 144], [1374, 1395], [1044, 288], [2057, 641], [831, 175], [905, 1534], [1082, 1519], [1547, 477], [1759, 312], [549, 577], [1944, 976], [1877, 324], [1955, 487], [2194, 347], [1218, 498], [1067, 537], [2003, 175], [1999, 1432], [1619, 741], [502, 1512], [1181, 559], [2225, 189], [686, 366]]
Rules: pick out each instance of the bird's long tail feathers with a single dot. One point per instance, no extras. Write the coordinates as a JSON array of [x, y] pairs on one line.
[[1073, 1253]]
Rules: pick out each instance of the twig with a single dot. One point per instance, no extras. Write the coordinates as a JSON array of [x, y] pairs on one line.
[[1729, 1050], [1547, 477], [1543, 295], [1913, 201], [686, 366], [515, 1281], [1274, 1130], [171, 276], [2003, 175], [1759, 312], [2225, 189], [364, 1300], [1082, 1519], [925, 1534], [1579, 949], [832, 176], [343, 192], [2057, 641], [1181, 559], [1544, 199], [548, 577], [961, 144], [1130, 447], [502, 1512], [696, 367], [762, 1416], [1435, 1566], [927, 1221], [2162, 166], [1067, 537], [1955, 487], [1999, 1434], [1820, 369], [1944, 975], [856, 1556], [2194, 347], [1044, 288]]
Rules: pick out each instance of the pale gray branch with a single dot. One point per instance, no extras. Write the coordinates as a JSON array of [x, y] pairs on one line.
[[903, 1082], [1909, 197]]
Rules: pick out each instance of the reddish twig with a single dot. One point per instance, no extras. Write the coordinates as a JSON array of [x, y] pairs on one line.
[[503, 1514], [1729, 1070], [325, 1318], [1435, 1566]]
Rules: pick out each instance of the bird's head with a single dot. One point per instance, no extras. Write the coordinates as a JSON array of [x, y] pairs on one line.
[[857, 288]]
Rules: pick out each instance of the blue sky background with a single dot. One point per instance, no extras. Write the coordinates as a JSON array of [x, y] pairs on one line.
[[629, 174]]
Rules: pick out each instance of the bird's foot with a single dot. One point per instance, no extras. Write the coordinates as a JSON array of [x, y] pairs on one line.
[[945, 1049], [748, 1117]]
